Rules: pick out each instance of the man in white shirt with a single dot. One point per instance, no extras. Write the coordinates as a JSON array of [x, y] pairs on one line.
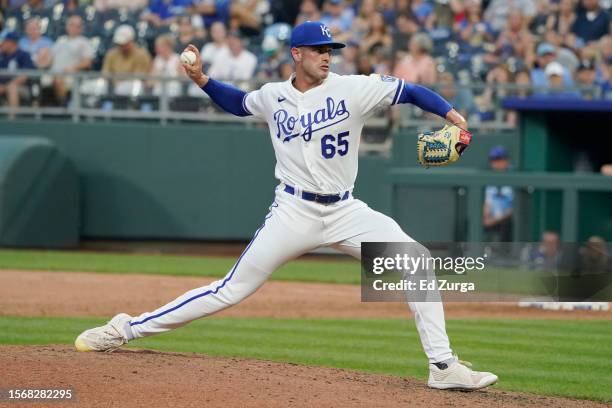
[[71, 53], [233, 63]]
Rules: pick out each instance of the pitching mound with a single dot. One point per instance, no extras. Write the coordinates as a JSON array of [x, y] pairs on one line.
[[150, 379]]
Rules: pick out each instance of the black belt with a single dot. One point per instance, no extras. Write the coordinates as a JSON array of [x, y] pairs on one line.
[[318, 198]]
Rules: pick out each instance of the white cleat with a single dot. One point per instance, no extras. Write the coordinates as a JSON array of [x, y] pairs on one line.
[[109, 337], [458, 376]]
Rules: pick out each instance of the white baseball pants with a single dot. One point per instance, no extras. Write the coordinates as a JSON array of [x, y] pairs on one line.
[[293, 227]]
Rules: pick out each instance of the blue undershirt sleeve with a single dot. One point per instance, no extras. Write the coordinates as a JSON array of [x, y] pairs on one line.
[[425, 99], [228, 97]]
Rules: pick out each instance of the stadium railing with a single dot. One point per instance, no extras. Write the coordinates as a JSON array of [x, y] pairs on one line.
[[130, 96]]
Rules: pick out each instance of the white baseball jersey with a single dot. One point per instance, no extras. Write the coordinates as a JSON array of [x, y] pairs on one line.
[[316, 134], [316, 139]]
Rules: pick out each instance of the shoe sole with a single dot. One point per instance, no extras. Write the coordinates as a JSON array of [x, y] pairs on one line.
[[490, 380]]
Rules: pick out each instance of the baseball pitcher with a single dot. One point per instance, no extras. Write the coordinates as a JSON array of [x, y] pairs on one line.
[[315, 120]]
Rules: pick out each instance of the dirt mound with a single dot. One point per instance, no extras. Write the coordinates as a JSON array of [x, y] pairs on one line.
[[24, 293], [150, 379]]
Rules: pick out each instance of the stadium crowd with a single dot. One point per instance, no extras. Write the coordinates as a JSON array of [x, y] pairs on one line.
[[537, 48]]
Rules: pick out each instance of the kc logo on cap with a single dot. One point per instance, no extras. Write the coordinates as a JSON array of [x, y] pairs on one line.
[[325, 31], [313, 33]]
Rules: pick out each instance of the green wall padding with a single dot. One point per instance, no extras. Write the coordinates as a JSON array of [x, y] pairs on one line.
[[39, 195]]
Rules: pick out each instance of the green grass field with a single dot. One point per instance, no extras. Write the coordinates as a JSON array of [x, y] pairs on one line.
[[565, 358], [562, 358], [345, 271], [299, 271]]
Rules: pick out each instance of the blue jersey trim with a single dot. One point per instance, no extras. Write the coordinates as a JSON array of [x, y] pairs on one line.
[[398, 92], [216, 290], [244, 105]]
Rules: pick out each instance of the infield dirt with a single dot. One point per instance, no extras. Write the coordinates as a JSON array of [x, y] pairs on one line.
[[127, 378], [24, 293], [132, 378]]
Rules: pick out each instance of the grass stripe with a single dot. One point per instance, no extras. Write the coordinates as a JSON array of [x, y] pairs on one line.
[[342, 271], [572, 366]]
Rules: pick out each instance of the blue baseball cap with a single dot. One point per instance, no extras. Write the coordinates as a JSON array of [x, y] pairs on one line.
[[545, 48], [498, 152], [313, 33], [11, 36]]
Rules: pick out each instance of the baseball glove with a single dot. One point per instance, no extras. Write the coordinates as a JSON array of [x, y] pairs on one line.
[[443, 146]]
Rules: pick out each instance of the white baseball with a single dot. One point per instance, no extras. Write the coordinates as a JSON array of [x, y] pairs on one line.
[[188, 57]]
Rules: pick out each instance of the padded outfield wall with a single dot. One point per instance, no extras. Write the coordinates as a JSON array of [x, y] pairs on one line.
[[197, 181]]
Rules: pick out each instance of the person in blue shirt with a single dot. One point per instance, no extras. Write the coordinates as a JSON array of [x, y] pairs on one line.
[[499, 201], [165, 12], [547, 53], [12, 59], [36, 44]]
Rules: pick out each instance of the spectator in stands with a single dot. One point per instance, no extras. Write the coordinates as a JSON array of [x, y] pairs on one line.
[[11, 59], [338, 18], [545, 54], [361, 22], [364, 65], [563, 19], [472, 29], [71, 53], [378, 34], [35, 44], [347, 63], [592, 22], [229, 12], [460, 97], [499, 201], [586, 79], [498, 11], [547, 255], [166, 63], [309, 11], [126, 58], [164, 12], [212, 49], [444, 13], [423, 13], [604, 69], [388, 8], [498, 78], [286, 69], [233, 63], [187, 35], [418, 66], [538, 25], [405, 27], [594, 256], [515, 40], [522, 80], [556, 85], [38, 7], [132, 5], [382, 59], [274, 55]]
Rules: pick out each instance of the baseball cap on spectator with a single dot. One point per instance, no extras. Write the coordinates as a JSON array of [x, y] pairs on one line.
[[335, 2], [124, 34], [498, 152], [554, 68], [10, 36], [545, 48], [313, 33]]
